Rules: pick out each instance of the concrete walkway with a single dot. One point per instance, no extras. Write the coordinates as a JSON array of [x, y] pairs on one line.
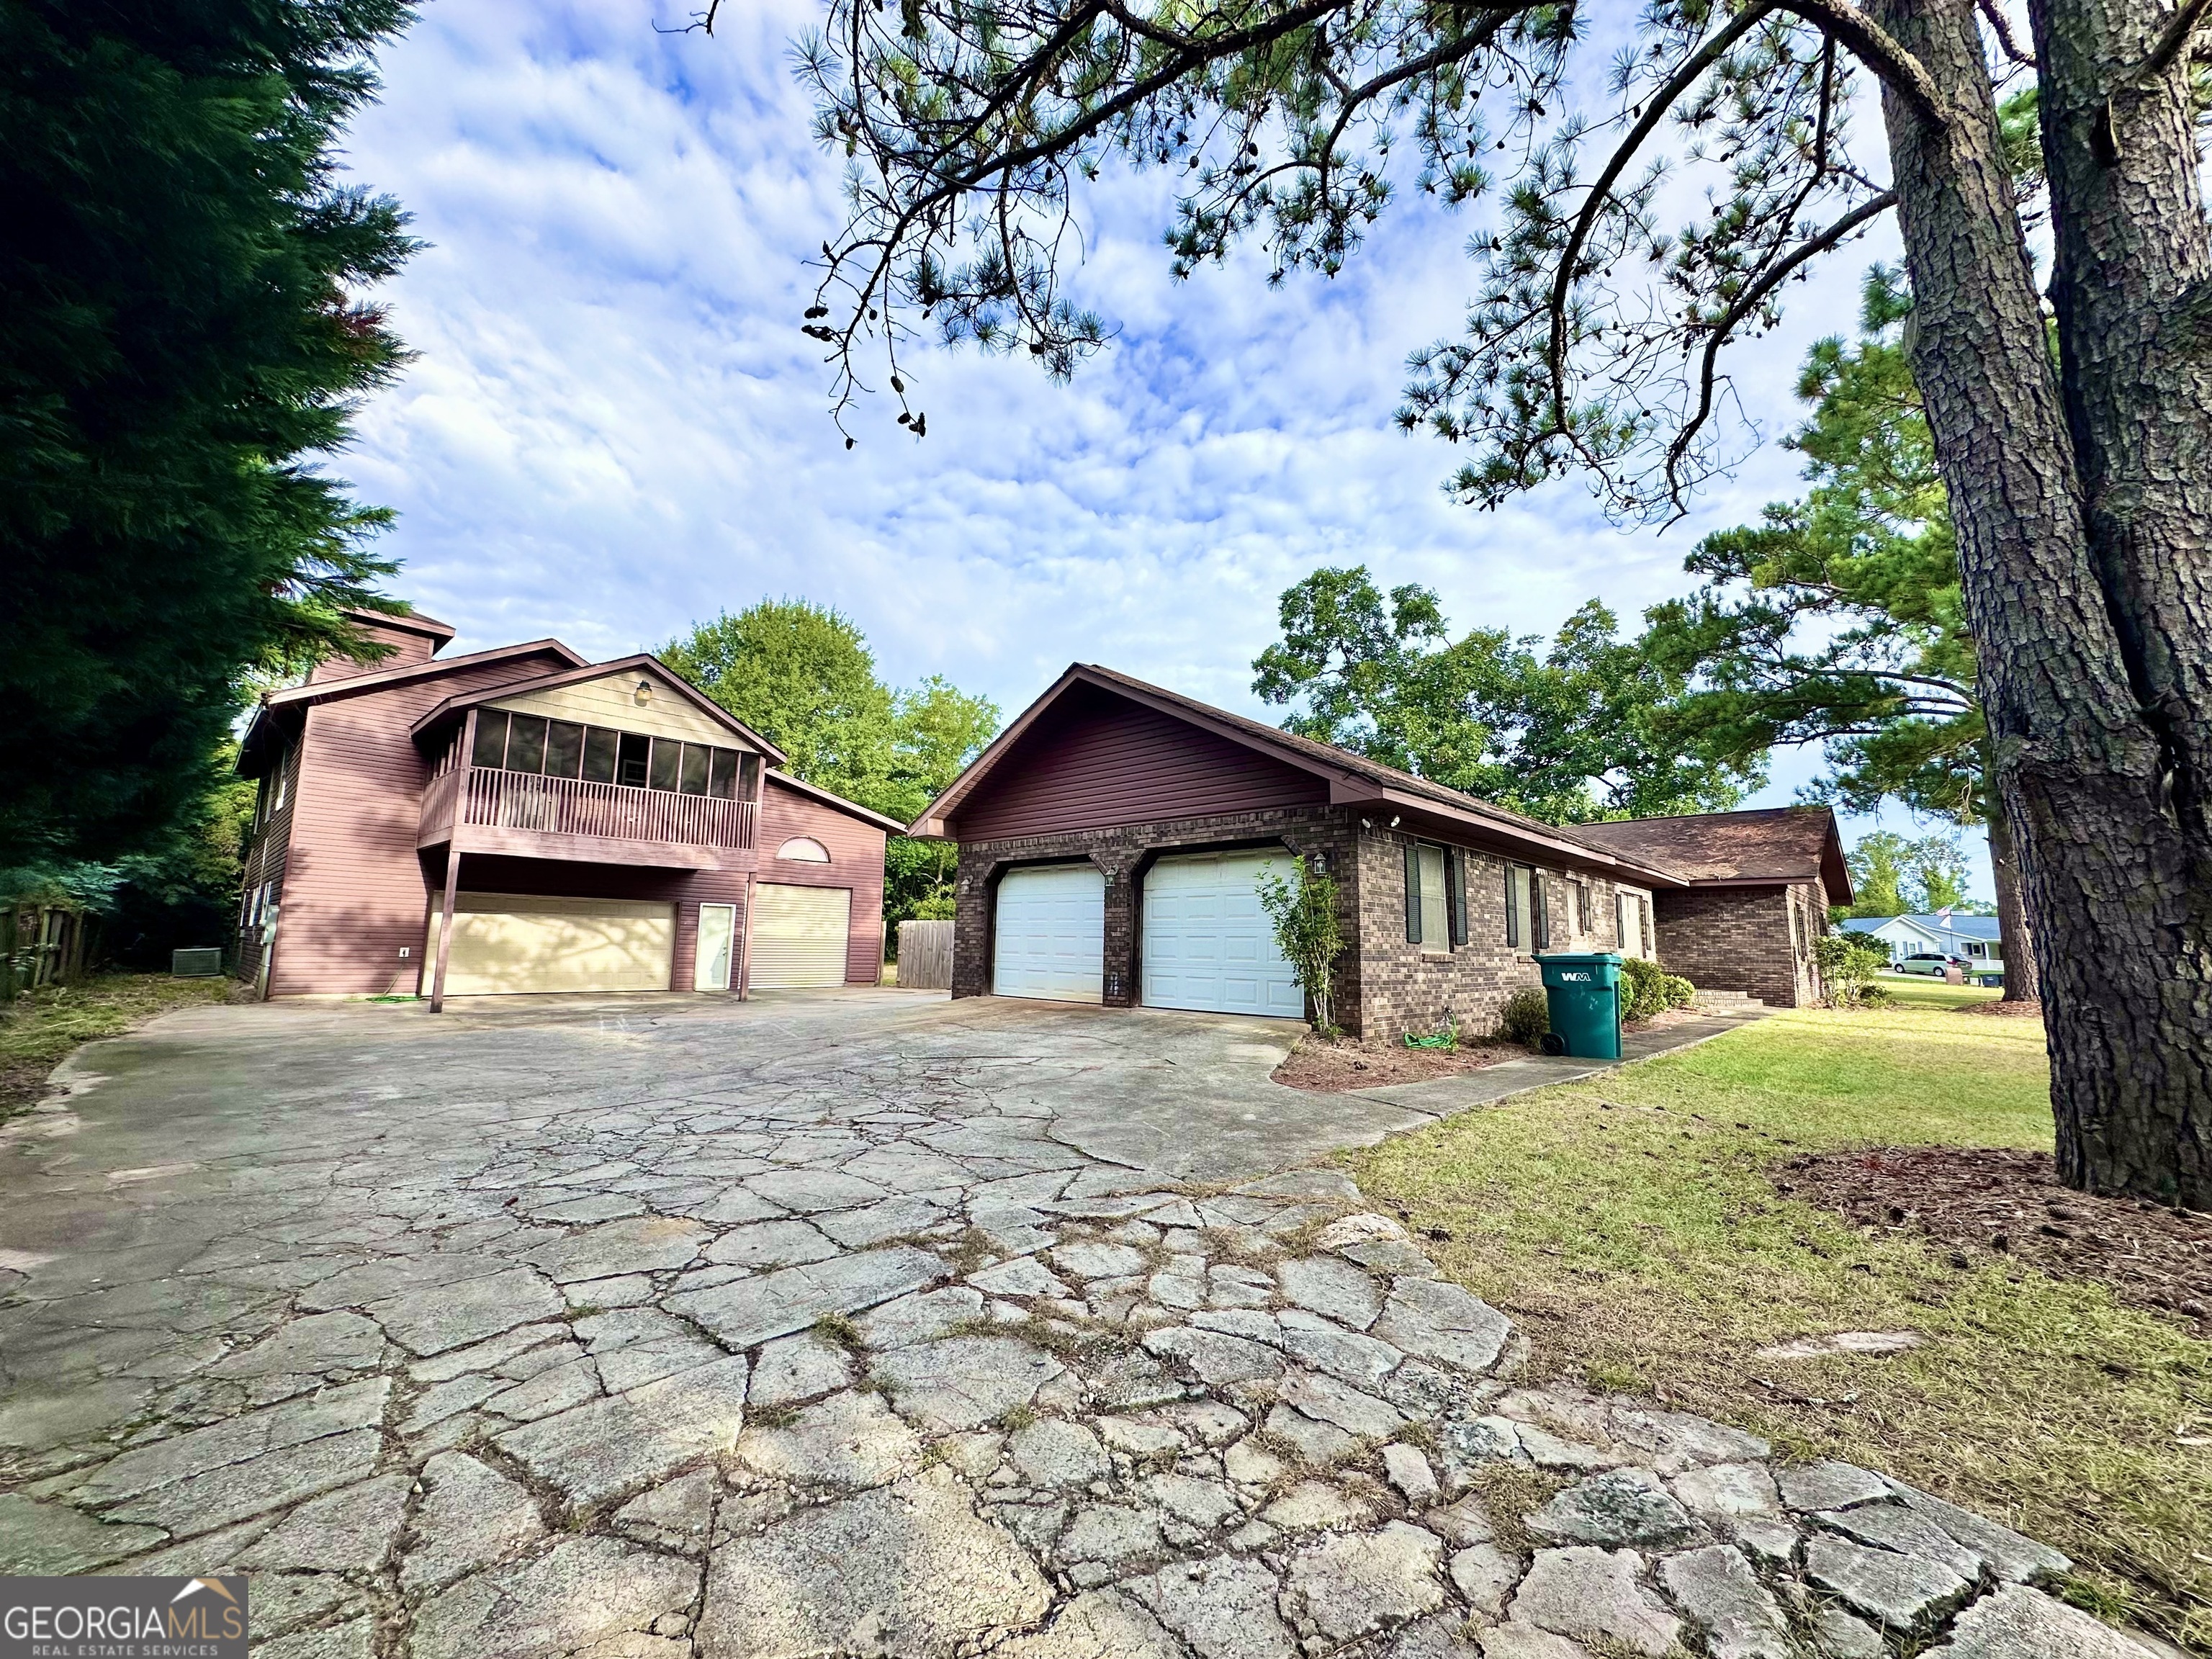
[[1442, 1097], [856, 1324]]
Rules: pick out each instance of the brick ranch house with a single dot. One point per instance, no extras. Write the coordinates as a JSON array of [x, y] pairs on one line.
[[1110, 839], [587, 827]]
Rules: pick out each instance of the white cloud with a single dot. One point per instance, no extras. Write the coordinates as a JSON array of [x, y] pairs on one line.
[[614, 427]]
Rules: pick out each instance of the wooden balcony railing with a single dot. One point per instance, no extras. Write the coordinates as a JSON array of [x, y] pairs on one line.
[[486, 796]]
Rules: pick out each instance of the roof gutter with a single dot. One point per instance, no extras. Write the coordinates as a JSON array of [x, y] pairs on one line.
[[1497, 829]]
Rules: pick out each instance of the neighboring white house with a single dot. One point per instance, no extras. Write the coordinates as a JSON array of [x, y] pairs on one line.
[[1973, 937]]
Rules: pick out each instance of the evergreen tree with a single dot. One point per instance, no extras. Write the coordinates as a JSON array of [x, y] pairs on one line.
[[1838, 620], [182, 335]]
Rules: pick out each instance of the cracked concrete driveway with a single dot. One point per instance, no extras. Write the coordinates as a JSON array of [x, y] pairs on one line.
[[854, 1323]]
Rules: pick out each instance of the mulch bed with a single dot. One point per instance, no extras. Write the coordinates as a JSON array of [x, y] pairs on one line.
[[1332, 1067], [1984, 1201], [2020, 1008]]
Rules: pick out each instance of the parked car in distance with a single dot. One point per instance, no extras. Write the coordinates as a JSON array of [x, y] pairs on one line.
[[1931, 963]]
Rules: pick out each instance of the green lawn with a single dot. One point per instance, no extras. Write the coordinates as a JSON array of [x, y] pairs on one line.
[[37, 1030], [1629, 1225]]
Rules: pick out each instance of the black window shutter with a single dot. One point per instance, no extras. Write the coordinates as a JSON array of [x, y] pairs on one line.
[[1539, 922], [1454, 897], [1413, 894], [1512, 911]]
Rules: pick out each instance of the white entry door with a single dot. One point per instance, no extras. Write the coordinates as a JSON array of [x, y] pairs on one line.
[[1209, 944], [1049, 933], [717, 932], [800, 935]]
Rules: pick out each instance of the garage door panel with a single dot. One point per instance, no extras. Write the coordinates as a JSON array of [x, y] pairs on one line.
[[799, 936], [1048, 934], [508, 943], [1209, 944]]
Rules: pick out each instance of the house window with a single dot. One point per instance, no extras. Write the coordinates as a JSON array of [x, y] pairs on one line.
[[599, 748], [698, 763], [1582, 907], [1540, 912], [1435, 897], [804, 849], [491, 738], [1435, 912], [722, 780], [1524, 924], [525, 744], [564, 749], [667, 764]]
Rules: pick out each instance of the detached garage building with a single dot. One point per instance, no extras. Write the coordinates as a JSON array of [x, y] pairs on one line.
[[521, 820], [1113, 840]]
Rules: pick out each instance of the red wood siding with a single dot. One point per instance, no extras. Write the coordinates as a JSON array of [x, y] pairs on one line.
[[856, 861], [353, 894], [1098, 759], [408, 648], [266, 851]]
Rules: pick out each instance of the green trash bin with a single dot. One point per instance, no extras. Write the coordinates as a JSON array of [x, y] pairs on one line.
[[1584, 990]]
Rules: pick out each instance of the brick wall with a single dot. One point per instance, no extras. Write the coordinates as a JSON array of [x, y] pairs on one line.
[[1723, 938], [1123, 851], [1415, 988], [1740, 938]]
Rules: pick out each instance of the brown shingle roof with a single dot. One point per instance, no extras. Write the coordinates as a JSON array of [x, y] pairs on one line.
[[1781, 843]]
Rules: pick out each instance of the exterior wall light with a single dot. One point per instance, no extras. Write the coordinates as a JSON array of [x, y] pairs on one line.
[[643, 695]]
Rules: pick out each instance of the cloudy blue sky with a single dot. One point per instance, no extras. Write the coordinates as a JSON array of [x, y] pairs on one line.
[[613, 426]]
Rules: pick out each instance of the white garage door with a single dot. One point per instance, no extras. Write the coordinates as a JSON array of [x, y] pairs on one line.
[[1209, 944], [507, 943], [1048, 938], [799, 936]]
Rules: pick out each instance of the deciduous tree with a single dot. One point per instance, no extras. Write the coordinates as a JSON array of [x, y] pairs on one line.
[[1569, 735], [1596, 339], [803, 676]]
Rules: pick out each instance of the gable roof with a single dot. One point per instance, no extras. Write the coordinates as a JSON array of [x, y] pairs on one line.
[[290, 703], [460, 704], [407, 622], [1773, 844], [1352, 778], [1962, 924], [850, 808], [378, 679]]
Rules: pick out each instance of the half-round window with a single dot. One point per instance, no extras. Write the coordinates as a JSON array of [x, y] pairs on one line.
[[804, 849]]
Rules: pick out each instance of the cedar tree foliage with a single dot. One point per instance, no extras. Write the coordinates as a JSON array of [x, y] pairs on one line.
[[1603, 308], [181, 334]]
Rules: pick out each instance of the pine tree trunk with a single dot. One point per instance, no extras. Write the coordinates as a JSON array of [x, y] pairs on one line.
[[2121, 939], [2015, 945]]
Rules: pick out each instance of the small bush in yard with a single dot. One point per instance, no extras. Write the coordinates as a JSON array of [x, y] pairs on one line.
[[1308, 934], [1527, 1016], [1848, 963], [1649, 989]]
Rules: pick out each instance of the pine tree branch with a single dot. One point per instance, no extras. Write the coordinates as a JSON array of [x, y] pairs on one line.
[[1750, 301], [1875, 47], [1658, 107]]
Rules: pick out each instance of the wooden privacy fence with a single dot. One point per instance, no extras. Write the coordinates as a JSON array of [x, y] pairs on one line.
[[43, 944], [925, 956]]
